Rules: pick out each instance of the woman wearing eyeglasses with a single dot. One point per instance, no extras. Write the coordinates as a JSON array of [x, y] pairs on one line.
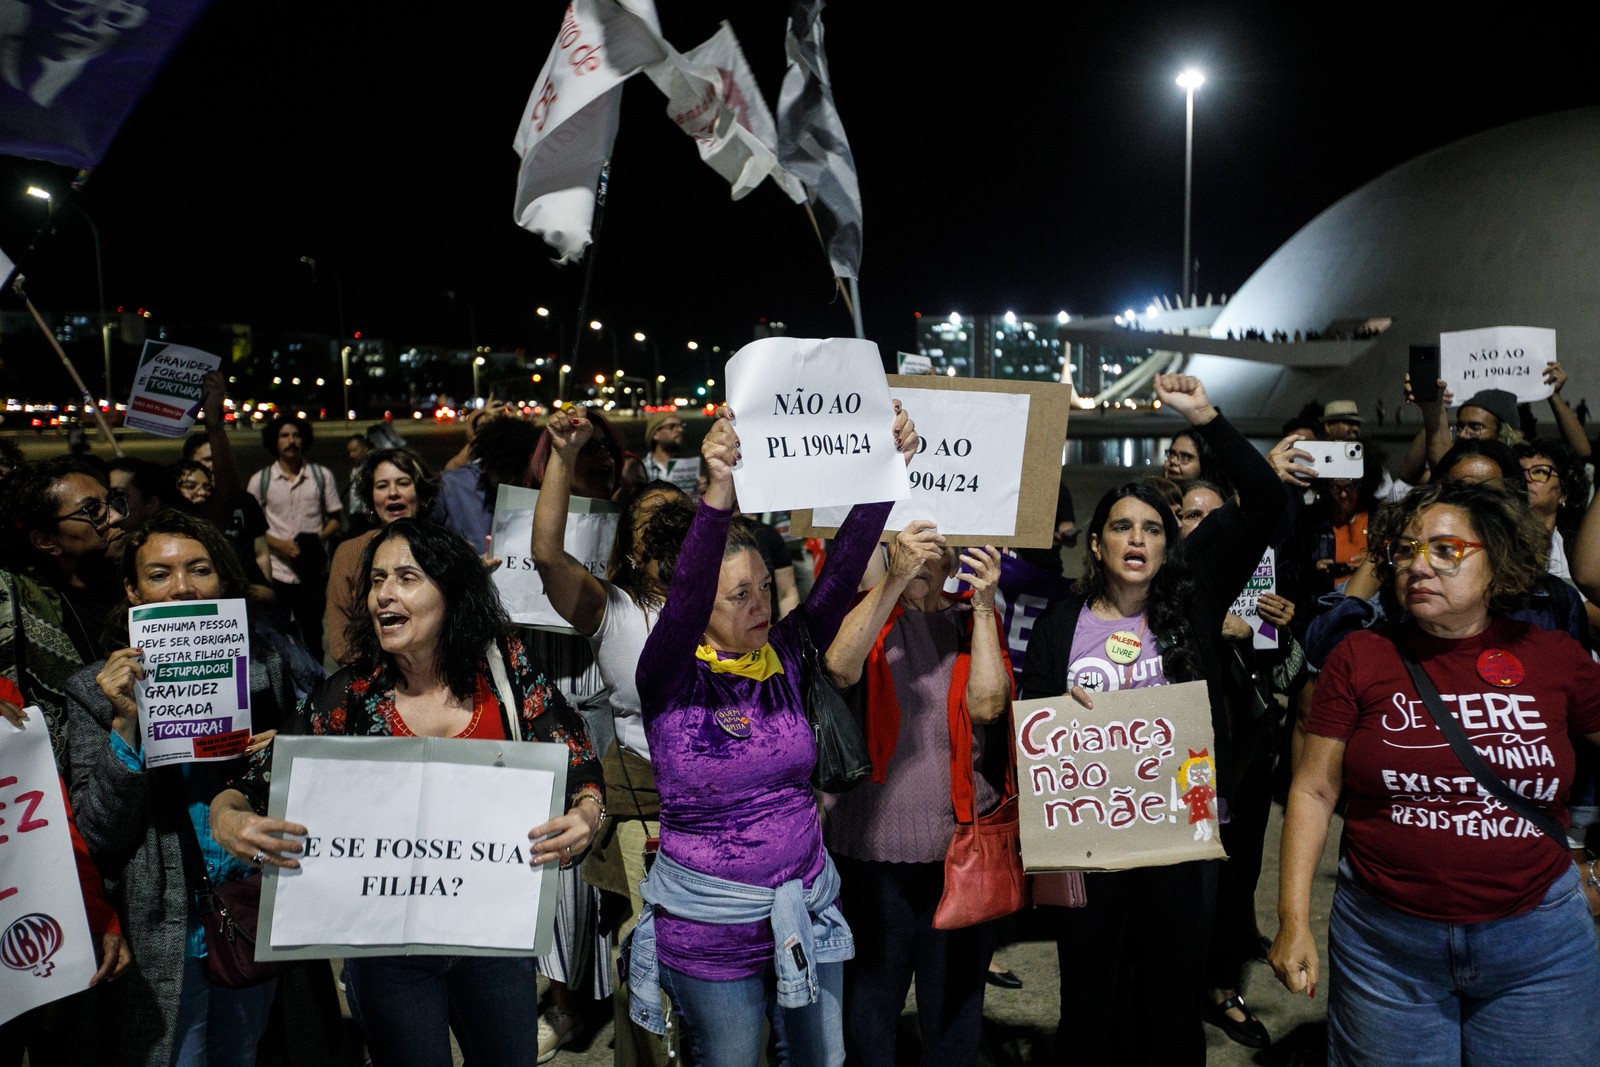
[[1459, 932], [58, 581], [1557, 490]]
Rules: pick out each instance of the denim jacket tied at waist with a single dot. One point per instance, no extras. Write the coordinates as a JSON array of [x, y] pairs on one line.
[[807, 929]]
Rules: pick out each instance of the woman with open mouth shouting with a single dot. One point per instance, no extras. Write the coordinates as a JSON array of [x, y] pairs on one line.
[[396, 484], [435, 657], [1148, 611]]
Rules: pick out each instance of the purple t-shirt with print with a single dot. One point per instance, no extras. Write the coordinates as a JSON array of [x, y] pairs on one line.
[[1112, 654]]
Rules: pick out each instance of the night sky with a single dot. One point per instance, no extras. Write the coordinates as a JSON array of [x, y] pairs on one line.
[[1010, 156]]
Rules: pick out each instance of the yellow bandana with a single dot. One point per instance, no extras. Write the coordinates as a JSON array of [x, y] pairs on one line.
[[760, 664]]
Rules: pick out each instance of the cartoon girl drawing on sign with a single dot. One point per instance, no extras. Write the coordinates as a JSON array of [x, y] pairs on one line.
[[1196, 774]]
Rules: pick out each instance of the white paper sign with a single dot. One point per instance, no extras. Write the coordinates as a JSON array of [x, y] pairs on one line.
[[194, 701], [816, 424], [968, 472], [414, 853], [46, 951], [1499, 357], [591, 529], [1265, 580], [166, 388]]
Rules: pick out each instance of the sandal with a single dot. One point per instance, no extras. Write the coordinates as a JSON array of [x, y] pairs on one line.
[[1249, 1033]]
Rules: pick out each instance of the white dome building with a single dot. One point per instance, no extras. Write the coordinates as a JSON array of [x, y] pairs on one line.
[[1502, 228]]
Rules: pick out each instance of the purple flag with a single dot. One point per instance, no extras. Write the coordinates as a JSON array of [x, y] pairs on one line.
[[72, 70]]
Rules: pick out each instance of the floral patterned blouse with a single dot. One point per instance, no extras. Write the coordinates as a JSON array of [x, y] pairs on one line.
[[355, 702]]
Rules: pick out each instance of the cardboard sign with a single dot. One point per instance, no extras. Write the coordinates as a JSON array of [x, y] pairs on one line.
[[591, 529], [816, 425], [1129, 784], [1499, 357], [46, 950], [166, 388], [989, 467], [1264, 580], [194, 701], [415, 846]]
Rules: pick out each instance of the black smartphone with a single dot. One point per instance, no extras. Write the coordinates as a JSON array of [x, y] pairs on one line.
[[1424, 373]]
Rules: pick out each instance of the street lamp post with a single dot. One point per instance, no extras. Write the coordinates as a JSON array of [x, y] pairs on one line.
[[561, 329], [99, 272], [599, 327], [1188, 81], [477, 367], [561, 381], [655, 353], [343, 349]]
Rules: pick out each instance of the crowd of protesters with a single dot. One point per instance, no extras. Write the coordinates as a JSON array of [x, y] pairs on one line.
[[727, 909]]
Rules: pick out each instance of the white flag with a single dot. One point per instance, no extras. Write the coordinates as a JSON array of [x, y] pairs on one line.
[[712, 96], [570, 122]]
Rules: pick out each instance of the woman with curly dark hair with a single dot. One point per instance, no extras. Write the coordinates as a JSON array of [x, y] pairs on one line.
[[396, 484], [1459, 931], [1149, 611], [1558, 488], [426, 629]]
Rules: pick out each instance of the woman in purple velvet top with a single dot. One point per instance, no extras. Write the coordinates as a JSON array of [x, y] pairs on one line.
[[720, 691]]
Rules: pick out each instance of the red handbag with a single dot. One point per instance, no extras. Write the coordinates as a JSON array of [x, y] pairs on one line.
[[983, 877]]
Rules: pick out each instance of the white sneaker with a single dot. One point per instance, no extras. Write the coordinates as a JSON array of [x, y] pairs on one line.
[[556, 1028]]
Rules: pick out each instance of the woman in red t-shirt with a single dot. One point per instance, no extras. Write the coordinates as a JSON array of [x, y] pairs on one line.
[[1459, 930]]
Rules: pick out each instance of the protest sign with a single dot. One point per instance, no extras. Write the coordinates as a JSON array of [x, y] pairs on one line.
[[194, 701], [591, 528], [415, 846], [988, 468], [816, 424], [166, 388], [911, 363], [684, 473], [1129, 784], [1498, 357], [45, 944], [1264, 580]]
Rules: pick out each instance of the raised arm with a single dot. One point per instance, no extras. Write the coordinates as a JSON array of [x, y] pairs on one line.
[[852, 549], [989, 685], [1566, 419], [914, 547], [577, 595], [218, 508], [667, 660]]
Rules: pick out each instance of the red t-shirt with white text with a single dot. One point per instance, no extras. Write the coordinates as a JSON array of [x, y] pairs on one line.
[[1420, 833]]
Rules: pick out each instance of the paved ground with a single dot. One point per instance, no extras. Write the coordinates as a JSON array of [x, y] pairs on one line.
[[1019, 1025]]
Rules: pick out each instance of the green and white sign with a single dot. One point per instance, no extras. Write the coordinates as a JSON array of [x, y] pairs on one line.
[[167, 387]]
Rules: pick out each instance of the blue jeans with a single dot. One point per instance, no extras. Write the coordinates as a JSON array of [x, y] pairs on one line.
[[722, 1020], [1416, 991], [409, 1003], [218, 1026]]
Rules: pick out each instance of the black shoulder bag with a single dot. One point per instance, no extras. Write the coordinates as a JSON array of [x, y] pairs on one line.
[[1468, 755], [842, 759]]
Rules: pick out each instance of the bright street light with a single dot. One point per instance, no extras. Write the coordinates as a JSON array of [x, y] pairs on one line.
[[1190, 80], [38, 193]]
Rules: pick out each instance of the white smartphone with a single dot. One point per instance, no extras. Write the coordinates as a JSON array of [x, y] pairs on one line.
[[1336, 459]]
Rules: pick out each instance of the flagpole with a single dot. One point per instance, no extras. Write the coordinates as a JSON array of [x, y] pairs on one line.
[[590, 253], [83, 390], [844, 292]]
